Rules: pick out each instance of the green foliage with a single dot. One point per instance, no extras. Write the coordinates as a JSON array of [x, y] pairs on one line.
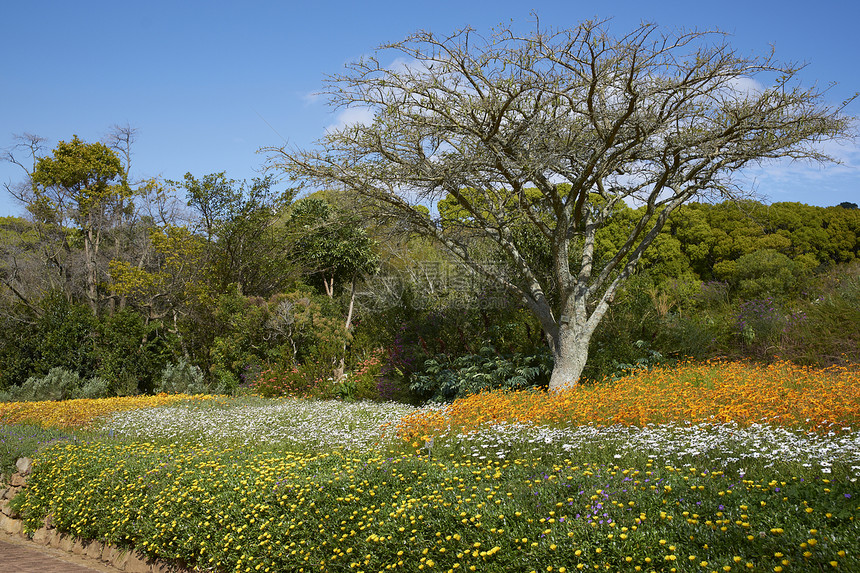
[[312, 327], [330, 243], [223, 382], [91, 172], [295, 381], [181, 378], [362, 383], [652, 324], [130, 352], [58, 384], [246, 242], [63, 337], [95, 387], [827, 328], [762, 273], [119, 348], [442, 379]]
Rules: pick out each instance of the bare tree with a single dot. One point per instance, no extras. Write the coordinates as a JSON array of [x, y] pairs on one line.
[[553, 131]]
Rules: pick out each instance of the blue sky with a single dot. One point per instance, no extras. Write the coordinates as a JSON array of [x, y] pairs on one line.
[[207, 84]]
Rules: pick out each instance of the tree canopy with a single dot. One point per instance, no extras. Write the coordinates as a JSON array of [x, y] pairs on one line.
[[587, 119]]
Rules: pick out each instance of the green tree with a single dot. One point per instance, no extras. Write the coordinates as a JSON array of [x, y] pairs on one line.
[[83, 184], [762, 273], [648, 116], [334, 247], [243, 227]]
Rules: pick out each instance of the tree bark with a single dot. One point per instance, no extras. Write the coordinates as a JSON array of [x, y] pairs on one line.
[[570, 354]]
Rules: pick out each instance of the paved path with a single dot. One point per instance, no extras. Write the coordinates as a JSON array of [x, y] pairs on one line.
[[18, 555]]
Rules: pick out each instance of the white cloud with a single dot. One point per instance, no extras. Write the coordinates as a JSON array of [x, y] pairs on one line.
[[746, 86], [351, 116], [807, 181]]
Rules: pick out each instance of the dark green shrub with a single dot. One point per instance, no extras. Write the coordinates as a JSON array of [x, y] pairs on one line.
[[64, 338], [443, 379], [763, 273], [131, 353]]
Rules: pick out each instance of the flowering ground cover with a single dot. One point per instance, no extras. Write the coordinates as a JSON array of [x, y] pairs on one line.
[[782, 394], [68, 414], [243, 509], [747, 482], [286, 421]]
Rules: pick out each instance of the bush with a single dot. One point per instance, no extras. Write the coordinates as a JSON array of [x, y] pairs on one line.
[[362, 382], [279, 381], [223, 382], [764, 273], [442, 379], [93, 388], [131, 352], [65, 337], [58, 384], [828, 331], [181, 378]]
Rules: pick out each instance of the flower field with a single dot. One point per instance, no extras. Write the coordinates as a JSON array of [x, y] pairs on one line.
[[70, 414], [690, 479], [782, 394]]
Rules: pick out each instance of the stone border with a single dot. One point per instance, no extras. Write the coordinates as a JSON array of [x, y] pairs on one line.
[[131, 561]]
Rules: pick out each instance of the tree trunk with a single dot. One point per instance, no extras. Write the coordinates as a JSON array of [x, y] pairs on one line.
[[91, 247], [341, 368], [570, 352]]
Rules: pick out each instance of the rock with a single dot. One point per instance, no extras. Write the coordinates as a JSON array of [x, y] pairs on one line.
[[107, 552], [41, 536], [119, 559], [78, 547], [66, 542], [137, 563], [56, 539], [24, 465], [6, 510], [49, 521], [159, 567], [11, 492], [18, 480], [13, 526], [94, 549]]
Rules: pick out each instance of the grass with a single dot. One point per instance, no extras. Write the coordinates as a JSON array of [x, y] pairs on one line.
[[295, 485]]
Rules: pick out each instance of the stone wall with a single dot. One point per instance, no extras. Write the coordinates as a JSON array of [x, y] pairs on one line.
[[119, 558]]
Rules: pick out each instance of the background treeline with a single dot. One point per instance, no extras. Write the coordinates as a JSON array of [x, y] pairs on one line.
[[111, 287]]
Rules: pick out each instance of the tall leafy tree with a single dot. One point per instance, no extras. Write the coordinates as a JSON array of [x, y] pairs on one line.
[[243, 226], [85, 185], [649, 117], [333, 247]]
